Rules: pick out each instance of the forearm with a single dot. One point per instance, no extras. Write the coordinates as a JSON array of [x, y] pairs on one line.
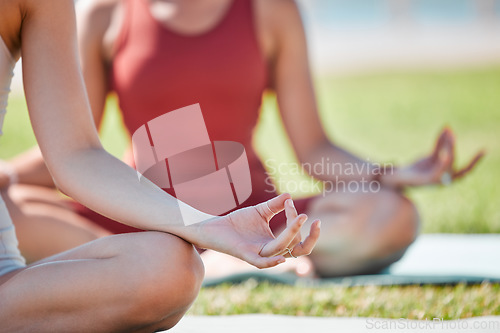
[[30, 168], [61, 118], [103, 183], [328, 162]]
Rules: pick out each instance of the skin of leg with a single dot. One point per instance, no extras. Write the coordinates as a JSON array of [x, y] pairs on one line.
[[140, 282], [361, 233], [45, 224]]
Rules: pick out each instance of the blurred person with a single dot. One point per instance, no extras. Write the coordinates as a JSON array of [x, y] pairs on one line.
[[136, 282], [159, 55]]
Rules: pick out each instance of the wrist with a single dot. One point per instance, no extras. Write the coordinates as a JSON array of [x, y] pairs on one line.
[[8, 170], [198, 233], [386, 175]]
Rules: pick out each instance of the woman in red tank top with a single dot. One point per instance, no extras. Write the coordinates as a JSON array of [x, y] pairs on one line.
[[158, 56], [126, 283], [156, 69]]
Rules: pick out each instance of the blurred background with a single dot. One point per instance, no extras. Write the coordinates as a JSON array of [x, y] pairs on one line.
[[389, 74], [357, 35]]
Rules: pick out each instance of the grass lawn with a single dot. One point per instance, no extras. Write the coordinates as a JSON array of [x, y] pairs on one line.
[[388, 118], [411, 302]]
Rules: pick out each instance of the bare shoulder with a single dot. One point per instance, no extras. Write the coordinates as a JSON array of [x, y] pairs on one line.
[[17, 14], [96, 15], [279, 14], [275, 21], [12, 13], [99, 23], [280, 20], [286, 5]]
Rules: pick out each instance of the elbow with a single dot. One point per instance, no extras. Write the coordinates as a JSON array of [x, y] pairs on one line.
[[70, 169], [59, 186], [59, 171]]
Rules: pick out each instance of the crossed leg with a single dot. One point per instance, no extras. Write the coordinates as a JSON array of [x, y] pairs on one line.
[[45, 223], [135, 282], [361, 233]]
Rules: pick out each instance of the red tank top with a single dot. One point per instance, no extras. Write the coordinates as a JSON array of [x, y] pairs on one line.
[[156, 70]]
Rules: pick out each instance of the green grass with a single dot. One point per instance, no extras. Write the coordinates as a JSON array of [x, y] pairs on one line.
[[412, 302], [18, 134], [386, 117]]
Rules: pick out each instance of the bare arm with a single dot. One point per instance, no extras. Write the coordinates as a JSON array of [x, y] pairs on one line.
[[299, 111], [62, 122], [94, 20], [29, 166], [63, 125], [296, 98]]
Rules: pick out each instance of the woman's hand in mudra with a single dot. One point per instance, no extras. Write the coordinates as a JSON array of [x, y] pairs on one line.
[[245, 233], [437, 168]]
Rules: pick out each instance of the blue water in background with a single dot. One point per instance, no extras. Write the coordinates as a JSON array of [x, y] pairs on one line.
[[373, 13]]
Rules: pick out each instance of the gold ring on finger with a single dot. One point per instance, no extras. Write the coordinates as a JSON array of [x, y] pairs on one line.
[[290, 253]]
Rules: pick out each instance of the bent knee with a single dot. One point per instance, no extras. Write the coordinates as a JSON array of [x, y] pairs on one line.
[[402, 225], [169, 276], [170, 260], [409, 220], [393, 225], [381, 227]]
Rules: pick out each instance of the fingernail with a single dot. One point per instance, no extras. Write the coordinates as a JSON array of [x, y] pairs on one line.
[[319, 224], [290, 202], [281, 260]]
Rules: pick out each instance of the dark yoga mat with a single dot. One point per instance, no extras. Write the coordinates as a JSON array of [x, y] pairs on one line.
[[431, 259]]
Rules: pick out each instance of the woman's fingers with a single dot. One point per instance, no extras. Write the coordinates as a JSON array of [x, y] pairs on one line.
[[442, 166], [290, 211], [291, 215], [290, 238], [450, 144], [304, 248], [272, 206], [462, 172], [446, 156], [296, 241], [439, 144], [264, 262], [279, 244], [445, 145]]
